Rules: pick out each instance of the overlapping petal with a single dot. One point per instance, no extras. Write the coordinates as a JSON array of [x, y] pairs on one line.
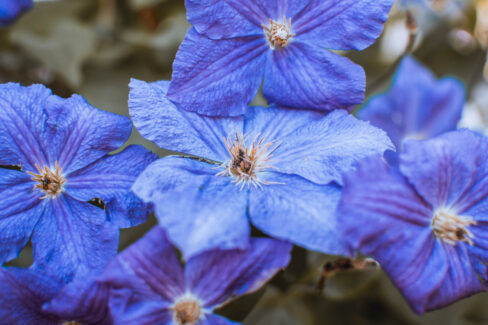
[[342, 24], [299, 211], [316, 147], [217, 78], [80, 133], [304, 75], [22, 294], [20, 210], [73, 238], [22, 125], [160, 121], [219, 275]]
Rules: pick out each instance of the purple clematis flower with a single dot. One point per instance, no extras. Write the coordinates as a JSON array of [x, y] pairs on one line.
[[54, 157], [234, 44], [417, 106], [426, 223], [10, 10], [149, 286], [274, 166], [24, 292]]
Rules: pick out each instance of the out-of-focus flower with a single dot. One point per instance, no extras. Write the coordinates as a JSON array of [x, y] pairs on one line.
[[267, 166], [475, 112], [149, 286], [54, 159], [10, 10], [233, 44], [417, 106], [24, 293], [426, 222], [481, 28]]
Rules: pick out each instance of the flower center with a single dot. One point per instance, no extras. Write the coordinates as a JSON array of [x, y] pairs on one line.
[[452, 228], [49, 181], [278, 35], [187, 312], [245, 162]]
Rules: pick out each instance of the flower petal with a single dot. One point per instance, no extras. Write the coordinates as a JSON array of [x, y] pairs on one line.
[[22, 124], [342, 24], [304, 75], [444, 169], [216, 320], [280, 209], [159, 120], [126, 309], [20, 210], [316, 147], [22, 294], [10, 10], [110, 179], [72, 238], [217, 78], [219, 275], [81, 133], [208, 213], [417, 105], [148, 267]]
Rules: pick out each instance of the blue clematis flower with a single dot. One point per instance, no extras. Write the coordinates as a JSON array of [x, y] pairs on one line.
[[275, 166], [417, 106], [426, 221], [25, 292], [54, 159], [234, 43], [147, 284], [11, 9]]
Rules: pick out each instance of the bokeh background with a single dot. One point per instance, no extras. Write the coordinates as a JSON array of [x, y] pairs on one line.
[[94, 47]]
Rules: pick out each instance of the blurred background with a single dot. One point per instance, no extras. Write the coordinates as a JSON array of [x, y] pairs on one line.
[[94, 47]]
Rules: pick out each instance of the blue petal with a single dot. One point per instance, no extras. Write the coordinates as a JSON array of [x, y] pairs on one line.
[[22, 125], [22, 294], [72, 238], [417, 105], [159, 120], [445, 169], [11, 9], [83, 300], [316, 147], [111, 179], [208, 213], [143, 312], [20, 210], [299, 211], [217, 78], [220, 275], [305, 75], [342, 24], [237, 18], [81, 133]]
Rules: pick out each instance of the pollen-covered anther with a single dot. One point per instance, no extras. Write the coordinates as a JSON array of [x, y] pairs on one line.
[[278, 35], [49, 181], [246, 162], [452, 228], [187, 312]]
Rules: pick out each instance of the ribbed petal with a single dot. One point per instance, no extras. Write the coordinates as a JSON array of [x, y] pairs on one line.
[[217, 78], [80, 133], [342, 24], [294, 203], [20, 210], [304, 75], [22, 125], [219, 275], [72, 238], [160, 121]]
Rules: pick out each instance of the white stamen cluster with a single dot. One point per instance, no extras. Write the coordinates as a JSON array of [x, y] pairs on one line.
[[187, 310], [452, 228], [278, 35], [246, 163], [49, 181]]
